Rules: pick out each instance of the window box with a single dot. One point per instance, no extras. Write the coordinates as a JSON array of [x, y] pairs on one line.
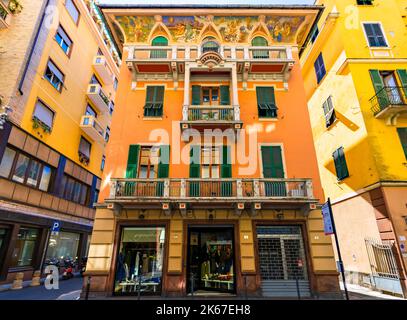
[[83, 158], [37, 123]]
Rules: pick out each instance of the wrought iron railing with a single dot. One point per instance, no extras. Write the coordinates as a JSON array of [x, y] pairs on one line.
[[388, 96], [190, 188], [210, 113]]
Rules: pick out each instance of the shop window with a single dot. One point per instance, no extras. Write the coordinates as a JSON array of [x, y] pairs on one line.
[[62, 247], [74, 190], [25, 169], [72, 10], [140, 261], [266, 102], [54, 76], [63, 40], [23, 253]]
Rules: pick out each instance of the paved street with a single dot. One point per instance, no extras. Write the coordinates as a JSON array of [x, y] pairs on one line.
[[68, 290]]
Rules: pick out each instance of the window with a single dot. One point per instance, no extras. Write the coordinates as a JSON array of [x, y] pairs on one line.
[[149, 159], [100, 52], [340, 164], [24, 169], [115, 84], [63, 40], [374, 34], [403, 139], [84, 148], [329, 112], [266, 103], [25, 244], [111, 107], [107, 134], [260, 42], [315, 34], [320, 68], [43, 114], [62, 246], [154, 101], [159, 53], [73, 10], [209, 44], [102, 165], [273, 167], [54, 76], [90, 111], [364, 2], [140, 258], [95, 80], [74, 190]]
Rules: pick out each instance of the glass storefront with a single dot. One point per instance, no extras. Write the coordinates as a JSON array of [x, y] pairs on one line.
[[211, 256], [140, 261], [62, 247], [24, 249]]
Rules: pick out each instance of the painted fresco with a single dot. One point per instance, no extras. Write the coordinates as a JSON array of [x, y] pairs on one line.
[[235, 28], [283, 28], [184, 28], [136, 29]]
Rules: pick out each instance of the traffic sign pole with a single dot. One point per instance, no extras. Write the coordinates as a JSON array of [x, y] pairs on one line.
[[342, 269]]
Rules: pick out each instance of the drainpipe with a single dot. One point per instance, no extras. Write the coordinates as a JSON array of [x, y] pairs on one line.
[[20, 86]]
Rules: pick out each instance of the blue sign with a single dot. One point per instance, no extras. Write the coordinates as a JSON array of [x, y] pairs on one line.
[[56, 225], [326, 214]]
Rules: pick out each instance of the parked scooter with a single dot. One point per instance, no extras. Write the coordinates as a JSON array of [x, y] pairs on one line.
[[69, 267]]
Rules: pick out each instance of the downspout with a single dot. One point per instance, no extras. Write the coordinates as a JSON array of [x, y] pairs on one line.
[[20, 86]]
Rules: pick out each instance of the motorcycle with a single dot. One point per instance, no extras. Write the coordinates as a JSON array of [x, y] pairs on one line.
[[68, 271]]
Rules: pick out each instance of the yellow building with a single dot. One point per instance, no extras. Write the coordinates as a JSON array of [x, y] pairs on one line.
[[354, 68], [58, 71]]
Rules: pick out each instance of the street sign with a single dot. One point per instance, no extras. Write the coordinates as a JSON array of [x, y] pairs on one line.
[[326, 213], [56, 225]]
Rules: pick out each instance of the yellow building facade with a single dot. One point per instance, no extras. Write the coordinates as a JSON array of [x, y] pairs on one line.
[[58, 78], [355, 77]]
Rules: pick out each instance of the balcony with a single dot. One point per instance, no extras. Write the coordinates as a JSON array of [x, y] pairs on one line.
[[5, 16], [390, 103], [92, 128], [98, 98], [103, 70], [272, 62], [211, 193], [203, 117]]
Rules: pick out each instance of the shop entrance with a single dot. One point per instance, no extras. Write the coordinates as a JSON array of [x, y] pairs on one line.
[[282, 261], [210, 266]]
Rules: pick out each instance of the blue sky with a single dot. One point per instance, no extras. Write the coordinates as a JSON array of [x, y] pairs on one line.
[[208, 1]]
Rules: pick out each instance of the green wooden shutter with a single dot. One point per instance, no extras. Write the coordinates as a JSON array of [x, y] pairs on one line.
[[378, 85], [340, 164], [164, 163], [195, 170], [273, 168], [403, 80], [226, 172], [260, 42], [159, 53], [224, 95], [403, 138], [196, 95], [132, 161], [266, 102]]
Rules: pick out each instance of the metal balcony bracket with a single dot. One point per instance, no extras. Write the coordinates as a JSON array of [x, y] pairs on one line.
[[116, 208]]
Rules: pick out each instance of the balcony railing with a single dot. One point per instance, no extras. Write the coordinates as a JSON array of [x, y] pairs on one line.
[[102, 68], [210, 113], [92, 128], [389, 101], [99, 98], [227, 189]]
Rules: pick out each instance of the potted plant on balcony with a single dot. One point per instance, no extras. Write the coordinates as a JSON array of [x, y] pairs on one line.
[[15, 6], [83, 158], [37, 123]]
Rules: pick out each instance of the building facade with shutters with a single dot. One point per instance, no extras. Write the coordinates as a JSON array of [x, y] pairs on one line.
[[57, 93], [211, 183], [355, 76]]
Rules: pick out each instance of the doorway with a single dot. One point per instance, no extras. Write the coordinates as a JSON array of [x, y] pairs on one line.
[[211, 260]]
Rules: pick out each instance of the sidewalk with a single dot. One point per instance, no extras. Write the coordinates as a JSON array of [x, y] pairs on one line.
[[357, 292]]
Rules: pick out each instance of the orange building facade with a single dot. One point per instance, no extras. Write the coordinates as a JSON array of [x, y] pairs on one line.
[[211, 182]]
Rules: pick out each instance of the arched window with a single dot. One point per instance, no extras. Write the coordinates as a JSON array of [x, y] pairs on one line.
[[260, 42], [159, 53], [209, 44]]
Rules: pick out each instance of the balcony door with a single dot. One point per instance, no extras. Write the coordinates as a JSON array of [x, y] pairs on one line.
[[393, 92]]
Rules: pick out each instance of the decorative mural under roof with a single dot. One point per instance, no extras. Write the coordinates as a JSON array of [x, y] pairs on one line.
[[231, 29]]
